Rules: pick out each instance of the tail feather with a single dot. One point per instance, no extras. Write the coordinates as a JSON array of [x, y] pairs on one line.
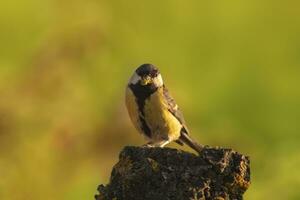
[[186, 139]]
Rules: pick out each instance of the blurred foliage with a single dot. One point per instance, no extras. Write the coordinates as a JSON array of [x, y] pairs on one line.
[[232, 66]]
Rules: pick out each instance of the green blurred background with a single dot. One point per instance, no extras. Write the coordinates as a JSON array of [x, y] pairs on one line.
[[232, 66]]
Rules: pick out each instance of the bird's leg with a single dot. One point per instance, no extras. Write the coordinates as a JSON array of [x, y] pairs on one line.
[[162, 143], [157, 144], [149, 144]]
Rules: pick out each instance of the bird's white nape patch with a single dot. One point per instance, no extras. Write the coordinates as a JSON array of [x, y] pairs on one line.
[[134, 78], [158, 81]]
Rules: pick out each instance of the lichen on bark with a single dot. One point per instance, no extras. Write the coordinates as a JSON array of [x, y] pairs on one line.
[[166, 174]]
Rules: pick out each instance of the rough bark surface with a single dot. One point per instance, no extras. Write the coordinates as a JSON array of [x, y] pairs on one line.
[[166, 174]]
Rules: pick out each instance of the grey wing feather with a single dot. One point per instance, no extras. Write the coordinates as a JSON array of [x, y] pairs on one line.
[[173, 108]]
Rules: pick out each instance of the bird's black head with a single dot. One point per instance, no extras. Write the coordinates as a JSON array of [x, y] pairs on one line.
[[147, 70], [146, 75]]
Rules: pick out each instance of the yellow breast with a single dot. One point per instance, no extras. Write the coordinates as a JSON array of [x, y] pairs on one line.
[[160, 120], [132, 108]]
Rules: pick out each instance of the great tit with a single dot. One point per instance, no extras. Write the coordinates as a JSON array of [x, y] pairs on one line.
[[154, 112]]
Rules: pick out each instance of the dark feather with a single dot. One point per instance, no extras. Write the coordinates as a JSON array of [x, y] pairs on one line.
[[179, 142], [173, 108], [186, 139], [184, 135]]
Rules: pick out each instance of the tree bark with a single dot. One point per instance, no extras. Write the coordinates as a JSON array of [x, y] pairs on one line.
[[165, 174]]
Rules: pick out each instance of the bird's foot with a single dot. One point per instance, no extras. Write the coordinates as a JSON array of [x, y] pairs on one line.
[[148, 145]]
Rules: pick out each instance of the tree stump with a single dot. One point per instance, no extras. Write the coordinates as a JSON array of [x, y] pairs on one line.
[[165, 174]]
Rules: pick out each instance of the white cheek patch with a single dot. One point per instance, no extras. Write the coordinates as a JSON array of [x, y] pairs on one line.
[[134, 78], [158, 81]]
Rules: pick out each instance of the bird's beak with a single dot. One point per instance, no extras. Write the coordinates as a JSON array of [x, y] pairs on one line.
[[146, 80]]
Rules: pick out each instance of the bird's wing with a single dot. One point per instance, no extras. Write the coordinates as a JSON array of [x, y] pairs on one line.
[[173, 108]]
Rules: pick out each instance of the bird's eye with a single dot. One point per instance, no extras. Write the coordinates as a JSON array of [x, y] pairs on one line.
[[154, 73]]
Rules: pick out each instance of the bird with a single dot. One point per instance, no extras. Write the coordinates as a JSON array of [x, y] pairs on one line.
[[154, 112]]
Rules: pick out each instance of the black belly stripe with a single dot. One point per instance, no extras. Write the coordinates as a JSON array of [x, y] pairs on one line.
[[141, 93], [145, 127]]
